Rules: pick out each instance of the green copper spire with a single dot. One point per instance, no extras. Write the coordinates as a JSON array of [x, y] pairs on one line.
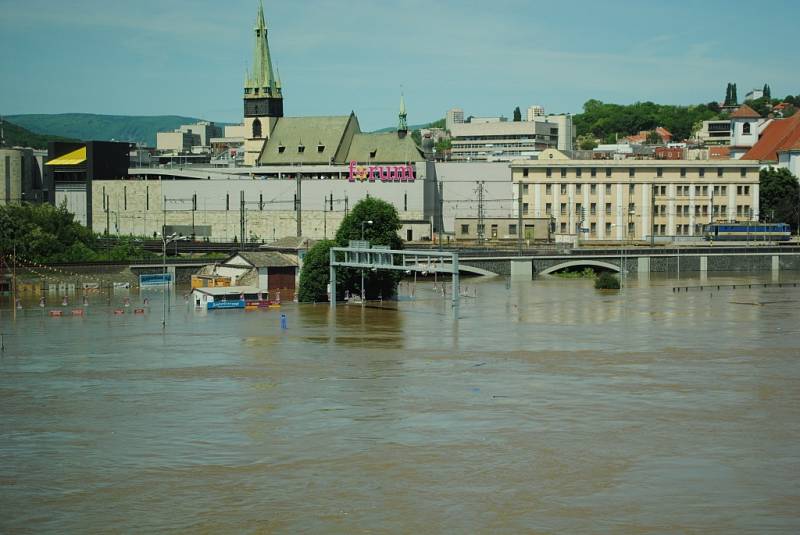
[[261, 80], [403, 125]]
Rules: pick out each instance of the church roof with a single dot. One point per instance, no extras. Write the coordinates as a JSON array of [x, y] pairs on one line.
[[334, 140], [745, 112], [383, 147], [309, 140]]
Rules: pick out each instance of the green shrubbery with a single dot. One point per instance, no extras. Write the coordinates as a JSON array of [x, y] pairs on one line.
[[46, 234], [606, 281], [586, 273]]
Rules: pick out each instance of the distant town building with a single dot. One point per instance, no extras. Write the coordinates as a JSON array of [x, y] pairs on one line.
[[70, 170], [622, 151], [176, 142], [715, 132], [746, 127], [664, 135], [487, 120], [496, 229], [670, 153], [566, 130], [635, 199], [453, 116], [20, 179], [204, 130], [188, 138], [501, 141], [534, 111], [754, 94]]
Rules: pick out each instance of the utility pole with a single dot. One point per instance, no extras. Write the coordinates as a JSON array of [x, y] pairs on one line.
[[441, 213], [299, 205], [242, 238], [519, 217], [481, 229], [14, 279], [194, 209], [652, 215], [2, 133]]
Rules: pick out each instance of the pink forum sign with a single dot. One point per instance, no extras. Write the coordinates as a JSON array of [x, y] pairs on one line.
[[374, 173]]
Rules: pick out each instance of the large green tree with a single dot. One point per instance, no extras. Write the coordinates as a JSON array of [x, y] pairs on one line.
[[517, 115], [385, 223], [382, 231], [779, 196], [41, 232], [315, 276]]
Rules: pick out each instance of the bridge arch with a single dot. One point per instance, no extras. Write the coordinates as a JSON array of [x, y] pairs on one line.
[[580, 263], [462, 268]]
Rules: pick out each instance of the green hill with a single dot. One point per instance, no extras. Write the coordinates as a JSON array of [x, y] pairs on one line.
[[16, 136], [88, 126]]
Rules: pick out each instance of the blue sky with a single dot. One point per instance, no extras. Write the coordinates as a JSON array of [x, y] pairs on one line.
[[187, 57]]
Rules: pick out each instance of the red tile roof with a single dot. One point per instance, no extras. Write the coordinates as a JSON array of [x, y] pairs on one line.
[[796, 146], [780, 134], [745, 112], [719, 153], [641, 137]]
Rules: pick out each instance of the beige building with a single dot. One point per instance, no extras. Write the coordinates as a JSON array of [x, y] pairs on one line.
[[535, 111], [501, 141], [177, 142], [636, 199], [496, 229], [17, 171]]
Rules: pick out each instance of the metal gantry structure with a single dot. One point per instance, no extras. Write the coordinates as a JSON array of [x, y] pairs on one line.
[[360, 255], [481, 214]]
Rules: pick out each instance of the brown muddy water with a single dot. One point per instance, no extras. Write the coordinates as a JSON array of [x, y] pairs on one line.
[[547, 407]]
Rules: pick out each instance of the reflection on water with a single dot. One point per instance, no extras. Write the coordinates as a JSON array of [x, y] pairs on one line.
[[546, 406]]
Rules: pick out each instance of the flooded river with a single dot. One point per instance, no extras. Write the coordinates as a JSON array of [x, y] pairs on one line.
[[547, 407]]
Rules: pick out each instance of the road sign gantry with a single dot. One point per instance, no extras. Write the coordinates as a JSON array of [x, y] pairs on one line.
[[360, 255]]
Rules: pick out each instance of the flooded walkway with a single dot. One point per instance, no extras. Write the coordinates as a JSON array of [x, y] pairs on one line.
[[546, 407]]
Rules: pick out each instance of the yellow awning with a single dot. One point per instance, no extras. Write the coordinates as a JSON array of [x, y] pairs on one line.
[[71, 158]]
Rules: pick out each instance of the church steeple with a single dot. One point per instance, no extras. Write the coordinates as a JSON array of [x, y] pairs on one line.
[[260, 81], [263, 95], [402, 126]]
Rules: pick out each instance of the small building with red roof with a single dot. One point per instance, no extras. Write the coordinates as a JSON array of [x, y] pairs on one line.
[[746, 125]]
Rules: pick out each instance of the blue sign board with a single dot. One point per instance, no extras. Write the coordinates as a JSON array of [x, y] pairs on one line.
[[226, 304], [155, 279]]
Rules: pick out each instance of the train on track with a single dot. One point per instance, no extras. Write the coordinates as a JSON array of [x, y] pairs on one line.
[[747, 231]]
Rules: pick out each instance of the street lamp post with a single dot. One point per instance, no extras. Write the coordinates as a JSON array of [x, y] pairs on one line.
[[164, 241], [363, 293]]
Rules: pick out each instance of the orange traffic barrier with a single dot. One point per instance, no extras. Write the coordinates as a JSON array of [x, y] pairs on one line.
[[77, 312], [138, 311], [118, 312], [55, 313]]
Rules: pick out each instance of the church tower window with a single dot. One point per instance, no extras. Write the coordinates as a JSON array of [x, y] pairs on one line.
[[257, 128]]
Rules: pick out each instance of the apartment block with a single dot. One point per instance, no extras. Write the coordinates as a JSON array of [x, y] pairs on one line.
[[501, 141], [636, 199]]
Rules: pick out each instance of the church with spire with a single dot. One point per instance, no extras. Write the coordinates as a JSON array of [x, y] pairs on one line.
[[272, 139], [263, 98]]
